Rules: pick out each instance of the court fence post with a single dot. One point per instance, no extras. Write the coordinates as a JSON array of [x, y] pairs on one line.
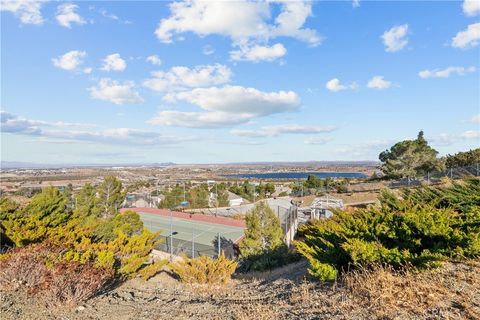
[[218, 245], [193, 243]]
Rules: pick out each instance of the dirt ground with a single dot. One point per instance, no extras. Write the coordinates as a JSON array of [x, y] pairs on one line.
[[452, 292]]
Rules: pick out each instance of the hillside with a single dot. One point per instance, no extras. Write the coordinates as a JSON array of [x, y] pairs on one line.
[[452, 292]]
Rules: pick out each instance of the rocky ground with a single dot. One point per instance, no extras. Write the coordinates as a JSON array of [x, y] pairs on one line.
[[452, 292]]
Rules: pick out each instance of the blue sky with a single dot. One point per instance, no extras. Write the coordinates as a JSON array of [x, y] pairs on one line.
[[212, 82]]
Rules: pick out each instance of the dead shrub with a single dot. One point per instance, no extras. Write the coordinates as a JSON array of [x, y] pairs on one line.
[[25, 267], [73, 282], [38, 270]]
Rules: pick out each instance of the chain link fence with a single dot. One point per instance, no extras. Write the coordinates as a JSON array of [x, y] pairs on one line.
[[435, 177]]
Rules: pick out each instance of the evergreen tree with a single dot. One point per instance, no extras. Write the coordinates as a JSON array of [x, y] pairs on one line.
[[110, 195], [463, 159], [409, 158], [263, 231]]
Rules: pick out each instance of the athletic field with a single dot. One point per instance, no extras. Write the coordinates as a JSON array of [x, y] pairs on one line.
[[191, 233]]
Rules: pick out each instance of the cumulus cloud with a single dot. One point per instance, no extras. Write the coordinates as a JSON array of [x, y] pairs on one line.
[[17, 125], [240, 20], [395, 39], [70, 60], [66, 15], [114, 62], [468, 38], [379, 83], [28, 11], [471, 7], [258, 53], [154, 59], [225, 106], [238, 99], [180, 78], [445, 73], [277, 130], [335, 85], [116, 92]]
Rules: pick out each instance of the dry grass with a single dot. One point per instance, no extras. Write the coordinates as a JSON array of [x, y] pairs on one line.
[[386, 293]]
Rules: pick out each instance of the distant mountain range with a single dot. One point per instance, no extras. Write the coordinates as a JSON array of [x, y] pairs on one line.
[[31, 165]]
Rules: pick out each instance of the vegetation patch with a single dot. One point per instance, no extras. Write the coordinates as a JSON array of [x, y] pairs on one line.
[[420, 229]]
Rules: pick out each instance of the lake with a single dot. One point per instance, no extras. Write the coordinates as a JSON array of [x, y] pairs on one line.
[[297, 175]]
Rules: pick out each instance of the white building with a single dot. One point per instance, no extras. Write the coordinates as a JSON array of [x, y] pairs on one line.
[[234, 200]]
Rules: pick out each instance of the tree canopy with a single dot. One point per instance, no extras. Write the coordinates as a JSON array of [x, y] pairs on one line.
[[463, 159], [409, 158]]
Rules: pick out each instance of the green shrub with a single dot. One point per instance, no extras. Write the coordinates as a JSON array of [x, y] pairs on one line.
[[204, 270], [153, 268], [420, 229]]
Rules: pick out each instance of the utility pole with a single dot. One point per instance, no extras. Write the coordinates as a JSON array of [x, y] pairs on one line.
[[184, 191], [171, 235]]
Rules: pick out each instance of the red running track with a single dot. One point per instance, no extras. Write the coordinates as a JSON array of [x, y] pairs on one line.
[[194, 216]]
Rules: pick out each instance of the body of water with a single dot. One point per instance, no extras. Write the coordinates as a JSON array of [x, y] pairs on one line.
[[298, 175]]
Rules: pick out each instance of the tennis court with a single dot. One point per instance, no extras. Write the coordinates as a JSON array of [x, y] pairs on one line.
[[193, 234]]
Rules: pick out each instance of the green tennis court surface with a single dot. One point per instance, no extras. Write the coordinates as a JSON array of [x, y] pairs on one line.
[[204, 235]]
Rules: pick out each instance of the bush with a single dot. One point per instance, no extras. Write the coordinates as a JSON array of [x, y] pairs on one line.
[[54, 242], [422, 228], [152, 269], [73, 282], [39, 270], [262, 248], [205, 270]]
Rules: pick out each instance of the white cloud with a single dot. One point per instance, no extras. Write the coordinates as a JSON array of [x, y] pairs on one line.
[[240, 20], [115, 92], [154, 59], [316, 140], [468, 38], [471, 7], [475, 118], [258, 53], [70, 60], [335, 85], [447, 139], [114, 62], [276, 130], [379, 83], [445, 73], [87, 70], [395, 39], [355, 3], [225, 106], [56, 130], [66, 15], [208, 50], [179, 78], [238, 100], [471, 134], [198, 119], [28, 11], [112, 16]]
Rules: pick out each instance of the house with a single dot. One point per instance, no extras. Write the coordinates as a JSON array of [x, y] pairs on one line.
[[234, 200]]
